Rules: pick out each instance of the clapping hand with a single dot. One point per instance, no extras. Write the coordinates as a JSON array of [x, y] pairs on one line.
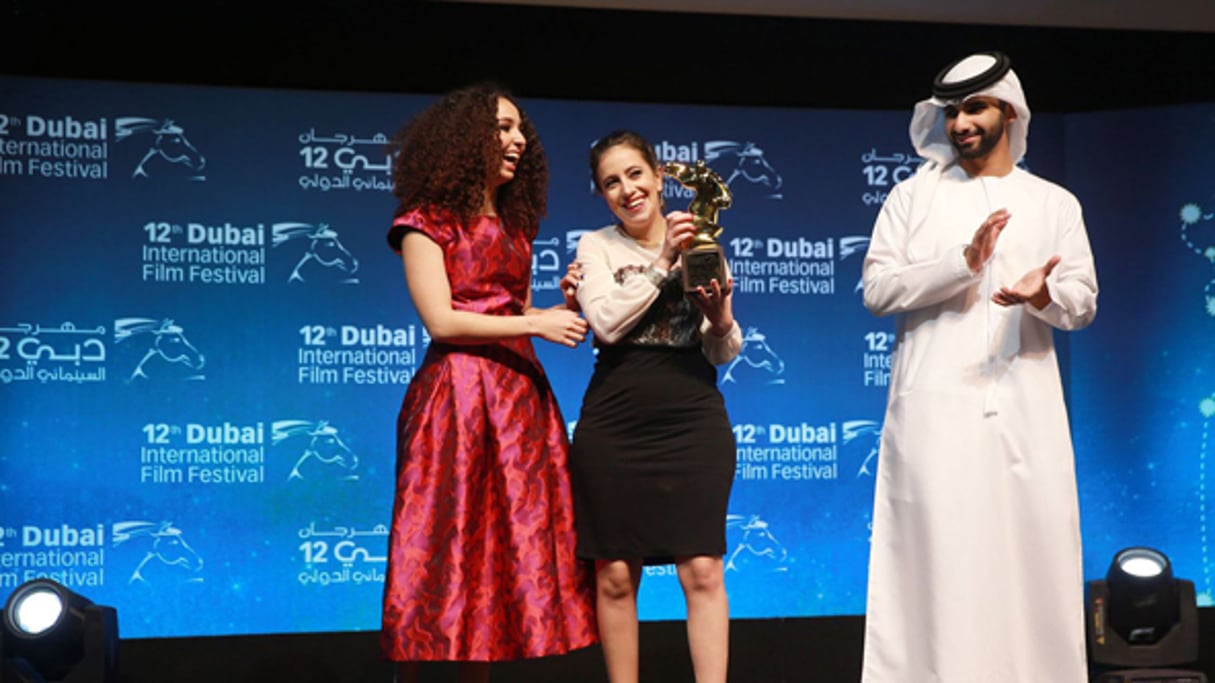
[[1031, 288], [983, 244]]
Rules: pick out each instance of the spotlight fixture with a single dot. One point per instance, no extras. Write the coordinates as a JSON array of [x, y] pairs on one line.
[[53, 635], [1141, 616]]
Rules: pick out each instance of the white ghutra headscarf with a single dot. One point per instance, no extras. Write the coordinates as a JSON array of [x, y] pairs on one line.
[[986, 74]]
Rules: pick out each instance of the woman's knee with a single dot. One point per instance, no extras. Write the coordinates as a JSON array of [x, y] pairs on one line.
[[616, 580], [701, 574]]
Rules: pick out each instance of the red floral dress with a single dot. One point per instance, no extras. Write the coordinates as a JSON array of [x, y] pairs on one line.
[[481, 563]]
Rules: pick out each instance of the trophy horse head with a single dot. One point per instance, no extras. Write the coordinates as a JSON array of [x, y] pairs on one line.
[[711, 195]]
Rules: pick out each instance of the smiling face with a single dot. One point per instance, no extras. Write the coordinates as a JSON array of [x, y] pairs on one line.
[[631, 187], [511, 140], [975, 127]]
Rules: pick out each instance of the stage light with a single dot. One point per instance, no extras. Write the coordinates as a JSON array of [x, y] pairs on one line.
[[53, 635], [1142, 616]]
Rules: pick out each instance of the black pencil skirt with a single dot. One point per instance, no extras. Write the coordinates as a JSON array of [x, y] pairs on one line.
[[653, 457]]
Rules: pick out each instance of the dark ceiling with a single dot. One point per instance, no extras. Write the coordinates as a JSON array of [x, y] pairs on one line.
[[418, 46], [1173, 15]]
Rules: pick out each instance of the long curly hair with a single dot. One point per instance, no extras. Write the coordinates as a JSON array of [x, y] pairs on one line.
[[446, 154]]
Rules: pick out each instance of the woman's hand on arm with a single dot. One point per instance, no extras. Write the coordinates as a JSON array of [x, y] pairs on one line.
[[569, 286], [559, 325]]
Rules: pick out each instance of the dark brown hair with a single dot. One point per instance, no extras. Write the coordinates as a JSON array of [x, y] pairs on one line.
[[620, 137], [446, 153]]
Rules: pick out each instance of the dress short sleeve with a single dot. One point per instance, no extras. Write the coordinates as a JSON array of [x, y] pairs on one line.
[[428, 222]]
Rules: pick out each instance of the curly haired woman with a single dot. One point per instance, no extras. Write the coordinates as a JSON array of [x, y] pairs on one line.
[[481, 562]]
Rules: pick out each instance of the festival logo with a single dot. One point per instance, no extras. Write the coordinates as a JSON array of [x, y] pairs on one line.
[[853, 245], [877, 360], [546, 265], [342, 555], [779, 265], [203, 253], [743, 166], [861, 441], [794, 452], [364, 355], [756, 362], [742, 163], [160, 148], [753, 547], [345, 162], [321, 453], [64, 353], [160, 552], [324, 256], [54, 146], [161, 347], [72, 554], [882, 173], [1191, 216]]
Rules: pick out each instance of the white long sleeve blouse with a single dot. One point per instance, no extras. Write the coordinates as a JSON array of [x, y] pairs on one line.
[[627, 300]]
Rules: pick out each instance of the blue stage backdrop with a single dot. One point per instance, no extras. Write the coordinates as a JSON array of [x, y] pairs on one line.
[[1143, 376], [205, 340]]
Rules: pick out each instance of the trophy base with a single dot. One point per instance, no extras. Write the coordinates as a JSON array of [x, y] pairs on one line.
[[701, 265]]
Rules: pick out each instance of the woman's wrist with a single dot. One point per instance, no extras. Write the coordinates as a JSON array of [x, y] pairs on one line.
[[722, 327], [530, 325]]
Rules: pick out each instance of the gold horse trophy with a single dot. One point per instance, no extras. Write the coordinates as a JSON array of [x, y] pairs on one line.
[[704, 260]]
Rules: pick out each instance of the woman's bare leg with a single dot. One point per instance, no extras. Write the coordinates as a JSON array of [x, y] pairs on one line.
[[617, 583], [704, 587]]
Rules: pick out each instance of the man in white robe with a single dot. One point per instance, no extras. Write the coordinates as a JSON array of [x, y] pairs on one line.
[[975, 571]]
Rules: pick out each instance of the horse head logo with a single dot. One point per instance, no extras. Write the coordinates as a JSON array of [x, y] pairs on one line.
[[165, 341], [854, 244], [165, 549], [323, 249], [166, 141], [324, 450], [1191, 215], [744, 160], [756, 548], [755, 359], [868, 435]]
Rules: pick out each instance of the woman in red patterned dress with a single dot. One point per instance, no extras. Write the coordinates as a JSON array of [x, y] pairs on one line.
[[481, 563]]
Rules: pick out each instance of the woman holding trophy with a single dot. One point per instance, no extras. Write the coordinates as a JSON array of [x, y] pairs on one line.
[[653, 455]]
